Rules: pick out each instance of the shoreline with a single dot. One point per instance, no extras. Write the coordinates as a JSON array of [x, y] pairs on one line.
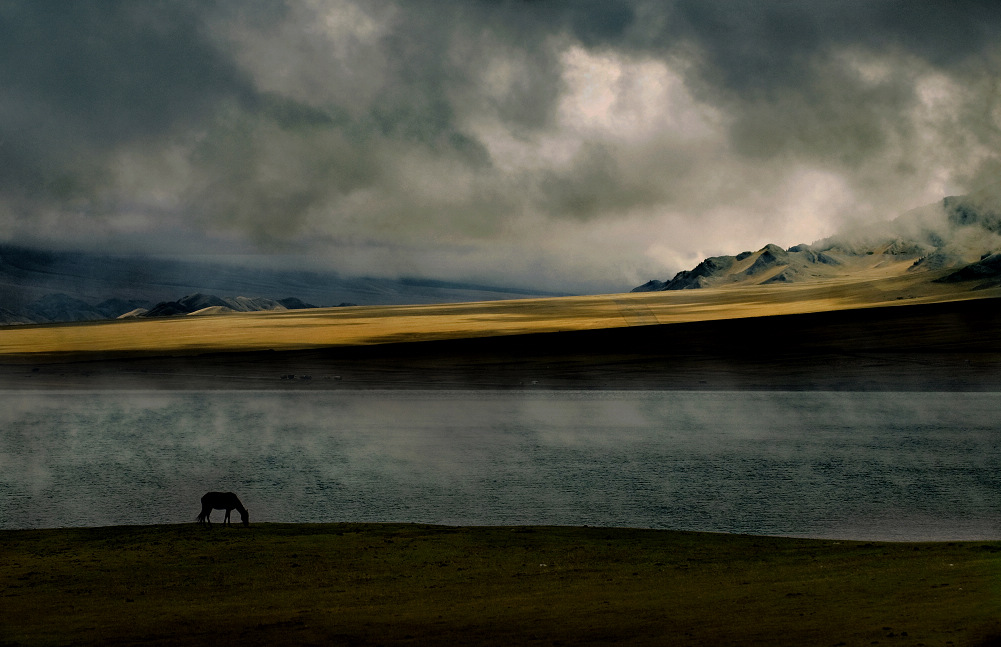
[[446, 527]]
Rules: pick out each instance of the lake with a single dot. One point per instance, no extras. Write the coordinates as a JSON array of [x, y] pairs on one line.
[[873, 466]]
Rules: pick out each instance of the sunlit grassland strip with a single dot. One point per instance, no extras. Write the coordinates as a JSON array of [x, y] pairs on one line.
[[325, 327]]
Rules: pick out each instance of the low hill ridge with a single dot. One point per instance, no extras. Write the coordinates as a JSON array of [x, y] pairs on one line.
[[200, 303], [61, 308], [210, 304]]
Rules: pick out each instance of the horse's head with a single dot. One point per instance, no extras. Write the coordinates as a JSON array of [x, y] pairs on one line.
[[245, 515]]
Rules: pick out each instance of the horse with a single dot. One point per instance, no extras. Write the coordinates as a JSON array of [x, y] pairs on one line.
[[222, 501]]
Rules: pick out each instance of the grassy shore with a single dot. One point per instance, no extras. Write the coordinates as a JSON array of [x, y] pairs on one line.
[[360, 584]]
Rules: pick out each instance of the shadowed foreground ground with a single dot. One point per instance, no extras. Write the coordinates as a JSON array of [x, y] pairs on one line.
[[406, 584]]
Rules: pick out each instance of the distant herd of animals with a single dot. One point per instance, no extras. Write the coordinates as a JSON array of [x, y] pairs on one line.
[[222, 501]]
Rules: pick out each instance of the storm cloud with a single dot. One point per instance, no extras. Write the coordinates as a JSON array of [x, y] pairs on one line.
[[583, 146]]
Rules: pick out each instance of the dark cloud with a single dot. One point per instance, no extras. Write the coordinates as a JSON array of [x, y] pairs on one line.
[[454, 129], [80, 81], [109, 72], [758, 46], [788, 73]]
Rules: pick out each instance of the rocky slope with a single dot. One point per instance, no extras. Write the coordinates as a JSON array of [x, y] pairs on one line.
[[962, 233]]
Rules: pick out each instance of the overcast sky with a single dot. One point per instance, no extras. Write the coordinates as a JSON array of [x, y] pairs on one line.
[[581, 145]]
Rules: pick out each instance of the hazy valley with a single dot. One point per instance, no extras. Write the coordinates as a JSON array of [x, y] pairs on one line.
[[853, 309], [955, 241]]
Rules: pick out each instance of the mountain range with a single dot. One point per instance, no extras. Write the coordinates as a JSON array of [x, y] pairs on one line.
[[47, 286], [58, 307], [957, 239]]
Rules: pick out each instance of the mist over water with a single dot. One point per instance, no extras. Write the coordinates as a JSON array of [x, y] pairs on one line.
[[901, 466]]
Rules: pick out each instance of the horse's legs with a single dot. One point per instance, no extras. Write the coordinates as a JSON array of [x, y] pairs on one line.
[[226, 520]]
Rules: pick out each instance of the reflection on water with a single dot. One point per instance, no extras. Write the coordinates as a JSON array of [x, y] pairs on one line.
[[847, 465]]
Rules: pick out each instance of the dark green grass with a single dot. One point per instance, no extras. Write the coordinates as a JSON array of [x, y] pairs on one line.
[[362, 584]]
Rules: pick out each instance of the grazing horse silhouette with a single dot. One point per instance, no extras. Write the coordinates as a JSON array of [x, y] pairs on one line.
[[222, 501]]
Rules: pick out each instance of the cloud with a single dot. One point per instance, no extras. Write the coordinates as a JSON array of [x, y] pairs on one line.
[[81, 78], [573, 145]]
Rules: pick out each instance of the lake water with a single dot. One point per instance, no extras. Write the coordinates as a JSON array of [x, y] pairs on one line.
[[876, 466]]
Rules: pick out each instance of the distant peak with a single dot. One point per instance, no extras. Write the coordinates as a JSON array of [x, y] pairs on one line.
[[771, 248]]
